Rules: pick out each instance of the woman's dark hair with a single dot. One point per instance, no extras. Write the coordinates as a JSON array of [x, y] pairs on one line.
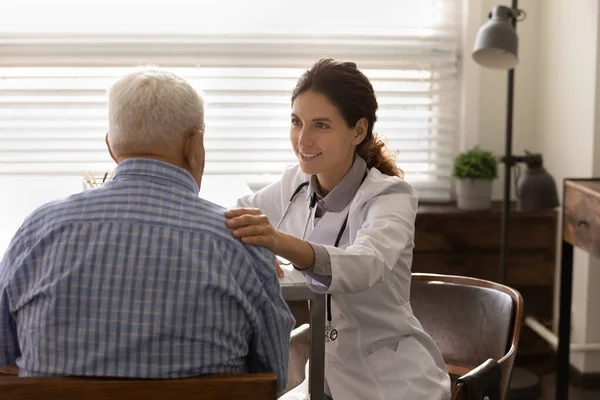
[[351, 92]]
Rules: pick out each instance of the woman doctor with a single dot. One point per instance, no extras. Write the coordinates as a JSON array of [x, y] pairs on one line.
[[345, 218]]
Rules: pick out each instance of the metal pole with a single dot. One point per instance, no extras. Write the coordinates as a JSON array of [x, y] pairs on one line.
[[508, 164]]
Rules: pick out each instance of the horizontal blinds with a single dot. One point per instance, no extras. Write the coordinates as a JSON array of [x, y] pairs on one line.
[[53, 115]]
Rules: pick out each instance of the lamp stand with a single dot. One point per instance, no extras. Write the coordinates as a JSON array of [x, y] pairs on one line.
[[523, 384], [509, 163]]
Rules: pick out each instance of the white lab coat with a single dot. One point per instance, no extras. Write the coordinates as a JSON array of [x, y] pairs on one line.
[[382, 351]]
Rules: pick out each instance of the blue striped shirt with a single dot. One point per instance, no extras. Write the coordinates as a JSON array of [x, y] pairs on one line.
[[139, 278]]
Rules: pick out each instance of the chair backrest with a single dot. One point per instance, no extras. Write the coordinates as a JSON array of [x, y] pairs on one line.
[[210, 387], [471, 320], [459, 392]]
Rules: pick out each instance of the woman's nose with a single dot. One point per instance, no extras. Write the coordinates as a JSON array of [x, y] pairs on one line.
[[304, 139]]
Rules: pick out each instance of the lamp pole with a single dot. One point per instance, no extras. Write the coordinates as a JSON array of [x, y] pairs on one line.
[[521, 380], [508, 160], [496, 46]]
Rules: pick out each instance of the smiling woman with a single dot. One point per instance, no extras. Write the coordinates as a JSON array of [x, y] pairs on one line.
[[345, 219]]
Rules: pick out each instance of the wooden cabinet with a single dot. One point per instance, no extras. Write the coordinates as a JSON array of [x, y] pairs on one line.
[[456, 242], [582, 215], [581, 229]]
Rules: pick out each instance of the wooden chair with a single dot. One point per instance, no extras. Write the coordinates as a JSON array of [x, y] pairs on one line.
[[471, 320], [11, 370], [209, 387]]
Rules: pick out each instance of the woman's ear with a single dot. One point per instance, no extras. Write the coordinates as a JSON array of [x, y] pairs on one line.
[[360, 131]]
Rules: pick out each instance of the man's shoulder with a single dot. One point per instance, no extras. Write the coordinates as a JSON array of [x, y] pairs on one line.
[[260, 256], [196, 215], [216, 214], [51, 212], [39, 221]]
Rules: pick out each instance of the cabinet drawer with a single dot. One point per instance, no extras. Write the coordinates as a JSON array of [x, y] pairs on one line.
[[582, 219]]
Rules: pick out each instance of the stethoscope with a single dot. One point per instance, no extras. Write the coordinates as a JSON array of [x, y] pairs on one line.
[[331, 333]]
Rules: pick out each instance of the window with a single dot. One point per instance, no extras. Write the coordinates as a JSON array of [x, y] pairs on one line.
[[56, 62]]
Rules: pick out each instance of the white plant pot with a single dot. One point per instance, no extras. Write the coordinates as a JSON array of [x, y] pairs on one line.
[[474, 194]]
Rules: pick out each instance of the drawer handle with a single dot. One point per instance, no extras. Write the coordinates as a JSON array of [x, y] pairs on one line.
[[582, 223]]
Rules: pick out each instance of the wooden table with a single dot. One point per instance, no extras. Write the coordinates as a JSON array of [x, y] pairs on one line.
[[581, 229]]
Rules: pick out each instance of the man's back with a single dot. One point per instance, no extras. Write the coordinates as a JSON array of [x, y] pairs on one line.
[[140, 278]]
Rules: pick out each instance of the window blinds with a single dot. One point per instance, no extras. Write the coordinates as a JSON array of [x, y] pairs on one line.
[[53, 115]]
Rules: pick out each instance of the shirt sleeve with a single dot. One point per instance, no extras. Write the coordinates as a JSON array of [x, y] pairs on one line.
[[9, 344], [321, 269], [322, 265], [270, 345], [319, 274]]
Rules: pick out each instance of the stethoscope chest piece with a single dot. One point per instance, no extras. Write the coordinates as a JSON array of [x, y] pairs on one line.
[[331, 333]]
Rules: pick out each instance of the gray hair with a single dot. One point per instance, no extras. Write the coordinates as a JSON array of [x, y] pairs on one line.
[[151, 106]]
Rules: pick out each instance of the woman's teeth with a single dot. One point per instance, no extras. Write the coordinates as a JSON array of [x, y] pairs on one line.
[[309, 155]]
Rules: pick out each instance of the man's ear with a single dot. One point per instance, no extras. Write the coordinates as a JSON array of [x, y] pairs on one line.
[[112, 155], [360, 131], [191, 156]]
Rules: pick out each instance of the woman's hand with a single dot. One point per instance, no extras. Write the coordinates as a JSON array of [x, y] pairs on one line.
[[278, 269], [252, 227]]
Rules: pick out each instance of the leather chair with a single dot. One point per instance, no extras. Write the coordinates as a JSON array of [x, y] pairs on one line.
[[471, 320], [209, 387]]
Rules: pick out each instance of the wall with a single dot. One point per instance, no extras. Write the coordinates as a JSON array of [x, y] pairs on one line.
[[568, 118]]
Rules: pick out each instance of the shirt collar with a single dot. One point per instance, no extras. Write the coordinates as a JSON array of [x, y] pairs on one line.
[[340, 196], [155, 170]]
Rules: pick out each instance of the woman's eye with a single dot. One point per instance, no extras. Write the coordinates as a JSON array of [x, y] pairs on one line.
[[321, 125], [295, 122]]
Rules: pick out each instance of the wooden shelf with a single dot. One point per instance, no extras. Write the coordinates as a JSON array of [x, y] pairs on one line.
[[458, 242]]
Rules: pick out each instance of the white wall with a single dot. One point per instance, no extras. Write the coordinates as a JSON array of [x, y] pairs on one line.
[[568, 117]]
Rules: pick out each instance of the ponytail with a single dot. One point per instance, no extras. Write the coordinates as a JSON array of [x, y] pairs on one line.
[[376, 155]]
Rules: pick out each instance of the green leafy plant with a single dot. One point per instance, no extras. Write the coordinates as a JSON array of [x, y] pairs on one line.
[[475, 163]]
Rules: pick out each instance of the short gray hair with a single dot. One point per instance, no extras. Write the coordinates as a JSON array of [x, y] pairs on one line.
[[151, 106]]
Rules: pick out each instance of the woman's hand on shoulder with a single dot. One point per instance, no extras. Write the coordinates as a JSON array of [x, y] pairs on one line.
[[252, 227]]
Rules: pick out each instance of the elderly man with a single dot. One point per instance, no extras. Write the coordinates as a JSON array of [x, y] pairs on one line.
[[141, 277]]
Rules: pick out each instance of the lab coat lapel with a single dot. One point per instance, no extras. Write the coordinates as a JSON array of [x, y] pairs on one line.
[[327, 229]]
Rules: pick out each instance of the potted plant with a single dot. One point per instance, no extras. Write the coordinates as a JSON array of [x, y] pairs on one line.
[[474, 170]]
